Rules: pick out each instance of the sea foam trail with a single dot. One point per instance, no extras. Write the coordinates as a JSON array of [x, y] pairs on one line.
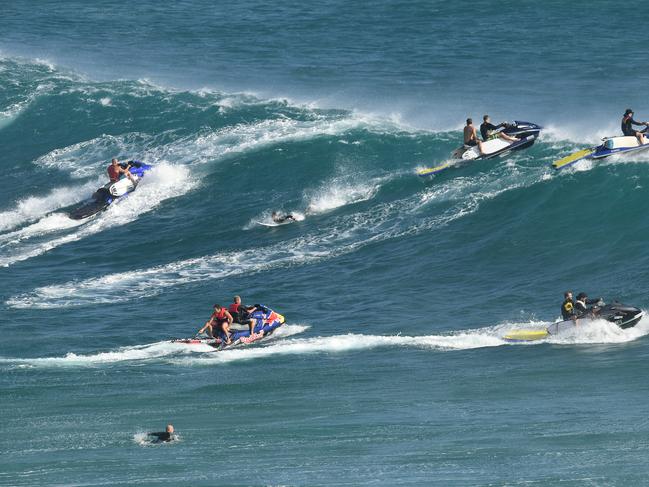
[[161, 183], [35, 207], [341, 191], [153, 351], [280, 344], [346, 234]]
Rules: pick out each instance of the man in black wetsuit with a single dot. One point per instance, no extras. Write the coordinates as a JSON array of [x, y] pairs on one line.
[[277, 218], [488, 130], [627, 126], [581, 305], [568, 307], [164, 436]]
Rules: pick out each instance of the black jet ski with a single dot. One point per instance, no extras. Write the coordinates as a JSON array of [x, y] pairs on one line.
[[622, 315], [107, 194], [525, 132]]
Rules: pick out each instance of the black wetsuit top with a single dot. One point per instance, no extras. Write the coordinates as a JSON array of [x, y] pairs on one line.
[[485, 127], [282, 219], [568, 309], [162, 436], [627, 123]]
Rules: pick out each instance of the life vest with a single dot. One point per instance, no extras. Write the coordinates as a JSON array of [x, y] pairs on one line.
[[113, 173], [220, 315], [234, 308]]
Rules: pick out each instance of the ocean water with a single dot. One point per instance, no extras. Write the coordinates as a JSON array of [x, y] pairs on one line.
[[397, 290]]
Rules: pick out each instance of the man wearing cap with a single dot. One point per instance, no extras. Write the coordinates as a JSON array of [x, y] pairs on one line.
[[628, 122]]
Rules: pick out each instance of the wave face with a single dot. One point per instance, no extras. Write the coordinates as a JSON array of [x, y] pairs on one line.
[[397, 290]]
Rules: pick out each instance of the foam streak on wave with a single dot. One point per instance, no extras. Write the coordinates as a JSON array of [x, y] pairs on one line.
[[347, 234], [190, 355], [161, 183]]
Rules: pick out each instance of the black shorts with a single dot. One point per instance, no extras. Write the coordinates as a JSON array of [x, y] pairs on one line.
[[471, 143]]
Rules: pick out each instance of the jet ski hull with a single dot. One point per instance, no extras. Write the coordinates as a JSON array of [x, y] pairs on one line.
[[109, 193], [611, 146], [526, 132]]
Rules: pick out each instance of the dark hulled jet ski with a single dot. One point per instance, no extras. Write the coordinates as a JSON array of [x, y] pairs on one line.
[[622, 315], [526, 132], [107, 194], [267, 321]]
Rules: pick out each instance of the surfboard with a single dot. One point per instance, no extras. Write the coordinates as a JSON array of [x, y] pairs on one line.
[[274, 224], [572, 158], [526, 335]]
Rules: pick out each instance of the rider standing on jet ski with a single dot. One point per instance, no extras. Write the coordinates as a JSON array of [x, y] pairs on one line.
[[628, 122], [115, 171], [488, 130]]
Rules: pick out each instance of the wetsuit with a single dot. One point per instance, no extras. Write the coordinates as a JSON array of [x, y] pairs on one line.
[[627, 122], [240, 313], [568, 309], [581, 307], [282, 219], [486, 127], [162, 436]]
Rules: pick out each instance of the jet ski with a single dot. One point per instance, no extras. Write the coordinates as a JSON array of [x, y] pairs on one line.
[[107, 194], [267, 322], [526, 132], [609, 147], [622, 315]]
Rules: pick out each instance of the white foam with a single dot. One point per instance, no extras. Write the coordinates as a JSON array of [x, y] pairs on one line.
[[161, 183], [340, 192], [148, 352], [35, 207], [345, 234]]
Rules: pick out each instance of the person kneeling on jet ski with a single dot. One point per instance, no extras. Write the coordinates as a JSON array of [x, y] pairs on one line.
[[221, 319], [115, 171], [471, 136], [277, 218], [241, 314], [488, 130], [627, 126]]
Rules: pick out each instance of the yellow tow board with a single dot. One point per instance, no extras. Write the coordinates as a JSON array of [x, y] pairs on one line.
[[526, 335], [572, 158], [429, 171]]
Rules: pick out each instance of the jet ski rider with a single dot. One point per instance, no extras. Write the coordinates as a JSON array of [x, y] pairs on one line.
[[471, 136], [241, 314], [488, 130], [568, 307], [627, 126], [115, 171], [581, 305], [277, 218], [221, 319]]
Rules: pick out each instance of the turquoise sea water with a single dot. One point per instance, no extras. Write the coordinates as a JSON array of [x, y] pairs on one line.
[[392, 369]]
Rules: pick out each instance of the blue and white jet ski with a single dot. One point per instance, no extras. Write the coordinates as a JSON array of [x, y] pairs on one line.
[[107, 194], [525, 132], [267, 321], [611, 145]]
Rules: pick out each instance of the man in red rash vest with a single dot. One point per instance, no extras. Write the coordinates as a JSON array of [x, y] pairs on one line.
[[115, 171], [220, 318]]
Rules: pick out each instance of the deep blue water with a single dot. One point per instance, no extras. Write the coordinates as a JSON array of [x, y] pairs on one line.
[[392, 369]]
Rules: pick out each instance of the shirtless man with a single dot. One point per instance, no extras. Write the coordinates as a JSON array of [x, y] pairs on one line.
[[115, 171], [471, 136]]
